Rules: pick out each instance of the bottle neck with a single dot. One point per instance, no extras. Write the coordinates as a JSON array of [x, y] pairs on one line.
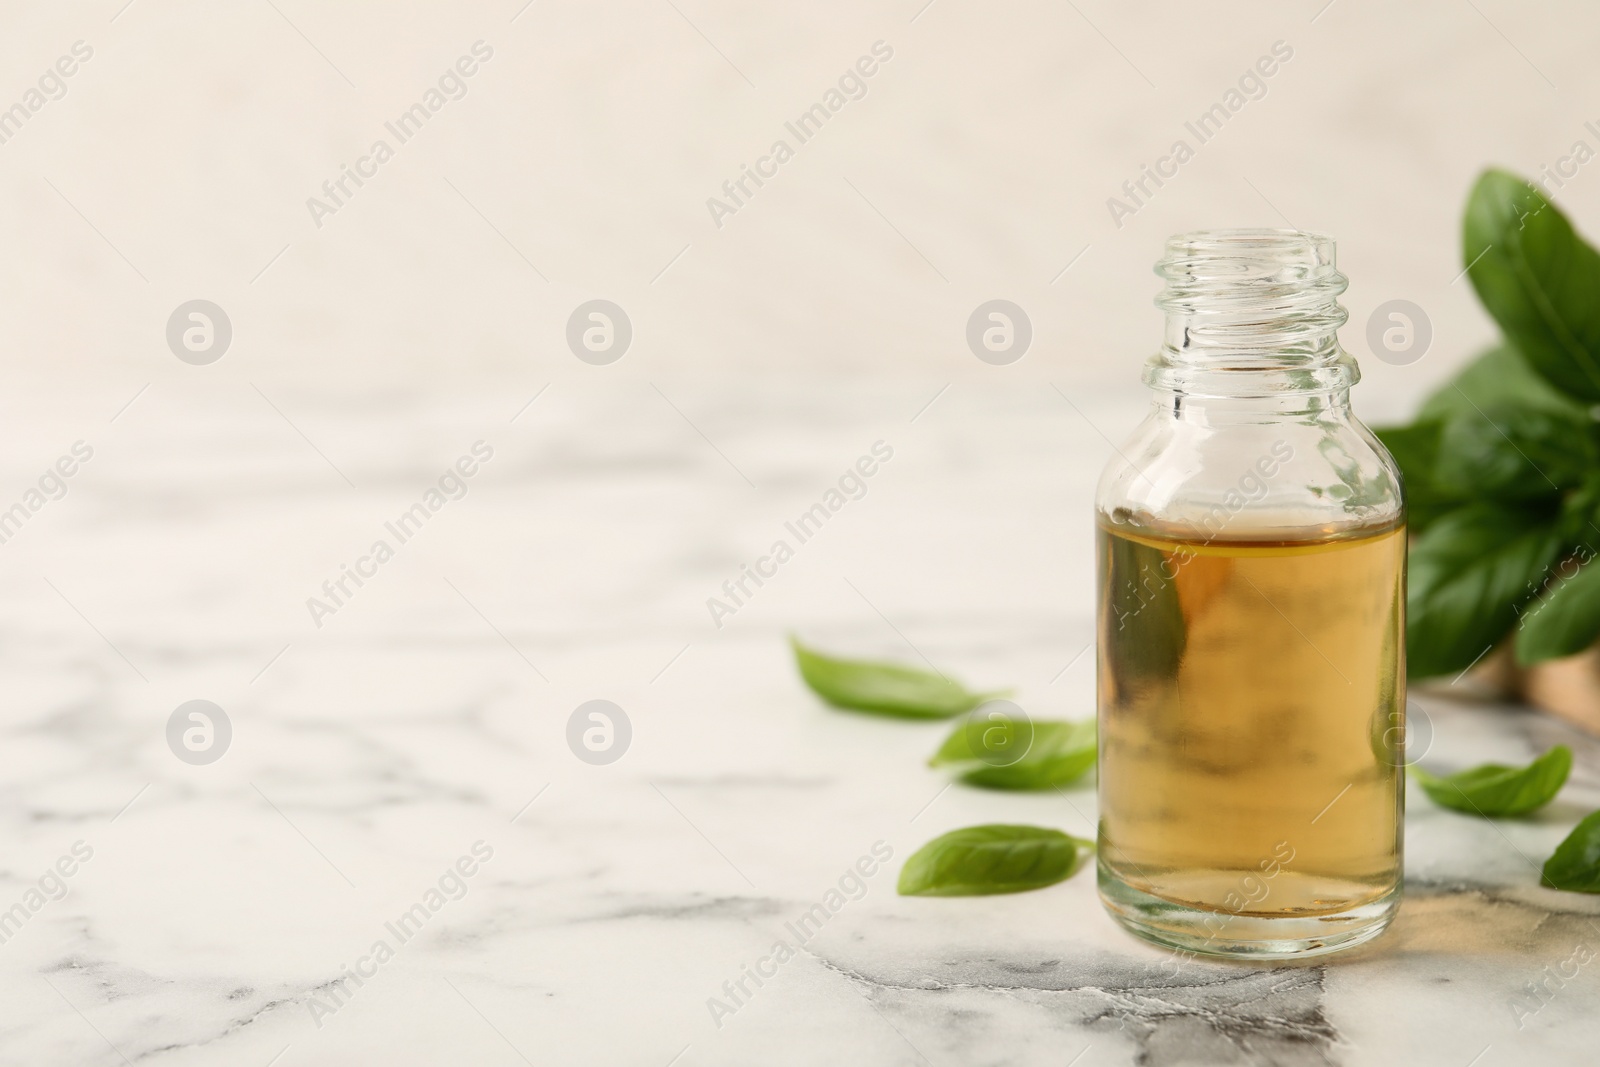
[[1259, 408], [1252, 314]]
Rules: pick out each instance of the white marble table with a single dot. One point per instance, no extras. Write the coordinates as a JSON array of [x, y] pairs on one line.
[[223, 903]]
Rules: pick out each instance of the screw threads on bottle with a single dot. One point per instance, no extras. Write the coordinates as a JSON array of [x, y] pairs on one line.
[[1251, 312]]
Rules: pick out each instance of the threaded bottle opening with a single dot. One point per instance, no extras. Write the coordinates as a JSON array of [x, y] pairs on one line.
[[1251, 312]]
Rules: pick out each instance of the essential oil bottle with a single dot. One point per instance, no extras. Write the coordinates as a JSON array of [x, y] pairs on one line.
[[1251, 611]]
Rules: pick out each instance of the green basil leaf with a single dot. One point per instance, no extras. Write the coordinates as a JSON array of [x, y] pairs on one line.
[[1470, 572], [980, 860], [1538, 279], [1415, 449], [1006, 753], [1580, 513], [1497, 376], [1575, 864], [1563, 622], [1514, 453], [1493, 789], [884, 688]]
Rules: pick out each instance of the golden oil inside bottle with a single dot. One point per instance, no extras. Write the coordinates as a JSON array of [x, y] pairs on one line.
[[1252, 699]]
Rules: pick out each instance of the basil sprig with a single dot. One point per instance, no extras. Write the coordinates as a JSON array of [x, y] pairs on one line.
[[1502, 464], [1495, 790], [884, 688], [998, 858], [1538, 279]]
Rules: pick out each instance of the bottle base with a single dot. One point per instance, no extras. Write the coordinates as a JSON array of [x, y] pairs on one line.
[[1208, 932]]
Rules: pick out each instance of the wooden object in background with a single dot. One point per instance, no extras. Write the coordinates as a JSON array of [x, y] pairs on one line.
[[1568, 688]]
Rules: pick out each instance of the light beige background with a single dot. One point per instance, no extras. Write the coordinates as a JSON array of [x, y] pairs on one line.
[[594, 136]]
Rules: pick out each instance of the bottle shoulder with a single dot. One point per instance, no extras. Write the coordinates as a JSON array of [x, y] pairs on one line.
[[1317, 473]]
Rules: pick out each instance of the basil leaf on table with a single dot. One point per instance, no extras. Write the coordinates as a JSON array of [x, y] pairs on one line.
[[981, 860], [1005, 753], [1497, 376], [1563, 622], [1575, 864], [1537, 278], [884, 688], [1470, 572], [1494, 790]]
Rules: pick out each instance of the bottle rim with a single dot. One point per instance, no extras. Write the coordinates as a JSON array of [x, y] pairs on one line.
[[1251, 312]]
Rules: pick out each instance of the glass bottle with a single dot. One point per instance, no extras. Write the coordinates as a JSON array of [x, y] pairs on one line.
[[1251, 607]]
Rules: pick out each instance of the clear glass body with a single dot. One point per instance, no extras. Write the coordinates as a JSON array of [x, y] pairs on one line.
[[1251, 675]]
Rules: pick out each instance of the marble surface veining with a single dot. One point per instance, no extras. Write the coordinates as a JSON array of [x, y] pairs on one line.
[[411, 752]]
